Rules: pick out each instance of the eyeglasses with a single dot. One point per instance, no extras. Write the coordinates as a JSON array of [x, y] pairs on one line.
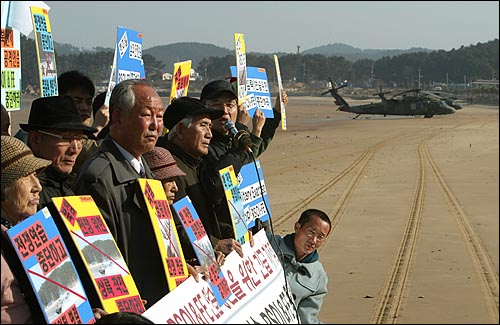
[[230, 105], [66, 140], [311, 233]]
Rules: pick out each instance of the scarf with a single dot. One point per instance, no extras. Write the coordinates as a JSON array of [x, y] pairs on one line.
[[313, 257]]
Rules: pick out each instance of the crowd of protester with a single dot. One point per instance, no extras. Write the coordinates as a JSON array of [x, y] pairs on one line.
[[73, 144]]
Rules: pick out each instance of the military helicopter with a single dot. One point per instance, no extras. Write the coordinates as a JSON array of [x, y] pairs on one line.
[[408, 105], [448, 98]]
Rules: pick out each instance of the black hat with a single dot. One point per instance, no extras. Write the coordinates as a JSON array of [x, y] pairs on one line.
[[215, 88], [56, 112], [187, 106]]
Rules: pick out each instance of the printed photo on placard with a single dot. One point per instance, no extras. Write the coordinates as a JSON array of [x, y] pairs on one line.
[[99, 253], [202, 247], [50, 270], [234, 203], [165, 231]]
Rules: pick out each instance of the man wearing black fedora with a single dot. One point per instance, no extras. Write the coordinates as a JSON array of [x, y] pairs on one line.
[[56, 132]]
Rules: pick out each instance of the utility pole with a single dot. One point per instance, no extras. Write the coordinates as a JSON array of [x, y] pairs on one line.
[[372, 76], [298, 49], [419, 76]]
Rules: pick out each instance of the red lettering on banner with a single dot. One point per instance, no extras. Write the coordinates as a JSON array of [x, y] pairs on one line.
[[70, 316], [174, 265], [263, 262], [51, 254], [92, 225], [112, 286], [150, 195], [133, 304], [245, 271], [235, 288], [186, 217], [198, 229], [162, 210], [30, 240], [68, 212]]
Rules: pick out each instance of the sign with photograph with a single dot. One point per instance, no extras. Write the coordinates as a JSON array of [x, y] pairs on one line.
[[45, 52], [241, 67], [165, 231], [110, 279], [234, 203], [50, 270], [202, 247]]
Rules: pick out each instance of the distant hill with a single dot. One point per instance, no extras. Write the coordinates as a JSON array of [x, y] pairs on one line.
[[176, 52], [65, 49], [353, 54]]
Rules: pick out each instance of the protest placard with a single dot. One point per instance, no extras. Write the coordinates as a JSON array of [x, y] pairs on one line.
[[50, 270], [107, 279], [258, 94], [202, 248], [45, 52], [234, 203], [253, 193], [11, 69], [165, 231]]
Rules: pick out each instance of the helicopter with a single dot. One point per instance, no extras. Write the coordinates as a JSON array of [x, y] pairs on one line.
[[407, 105], [449, 99]]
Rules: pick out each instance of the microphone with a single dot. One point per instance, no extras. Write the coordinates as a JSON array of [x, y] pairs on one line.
[[231, 128], [242, 137]]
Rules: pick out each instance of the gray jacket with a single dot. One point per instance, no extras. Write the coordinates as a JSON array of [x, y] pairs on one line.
[[308, 281], [112, 182]]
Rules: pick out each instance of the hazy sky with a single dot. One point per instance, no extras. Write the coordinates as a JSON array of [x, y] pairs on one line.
[[279, 26]]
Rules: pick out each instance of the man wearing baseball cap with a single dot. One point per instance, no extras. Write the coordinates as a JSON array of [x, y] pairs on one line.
[[226, 149]]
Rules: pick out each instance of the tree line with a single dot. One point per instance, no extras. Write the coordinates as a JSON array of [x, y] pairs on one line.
[[457, 66]]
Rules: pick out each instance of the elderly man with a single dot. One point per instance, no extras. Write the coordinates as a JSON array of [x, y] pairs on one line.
[[189, 122], [110, 176], [56, 132]]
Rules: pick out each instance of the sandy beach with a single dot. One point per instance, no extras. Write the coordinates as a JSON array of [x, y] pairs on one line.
[[414, 204]]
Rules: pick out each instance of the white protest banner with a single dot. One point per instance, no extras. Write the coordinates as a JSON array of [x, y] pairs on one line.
[[257, 281]]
